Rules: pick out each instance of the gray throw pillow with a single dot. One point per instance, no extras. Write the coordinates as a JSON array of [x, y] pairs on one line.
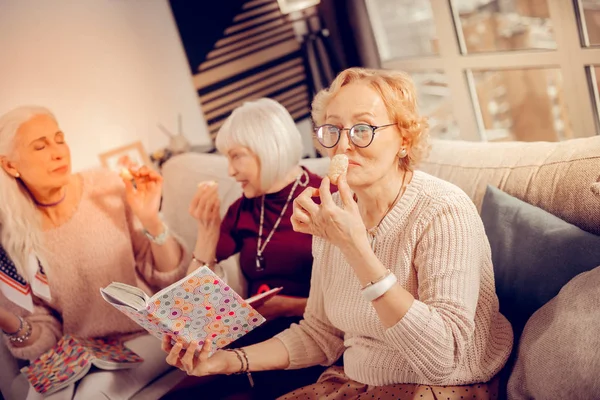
[[559, 354], [534, 253]]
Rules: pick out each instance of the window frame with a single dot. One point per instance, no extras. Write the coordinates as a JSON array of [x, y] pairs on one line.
[[570, 57]]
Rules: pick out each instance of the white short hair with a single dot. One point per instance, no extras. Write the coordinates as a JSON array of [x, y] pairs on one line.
[[266, 128], [20, 222]]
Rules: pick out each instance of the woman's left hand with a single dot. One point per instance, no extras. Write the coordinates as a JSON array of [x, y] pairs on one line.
[[144, 198], [341, 226]]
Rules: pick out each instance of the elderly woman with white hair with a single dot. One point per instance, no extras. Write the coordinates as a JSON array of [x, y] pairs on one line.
[[65, 235], [263, 147]]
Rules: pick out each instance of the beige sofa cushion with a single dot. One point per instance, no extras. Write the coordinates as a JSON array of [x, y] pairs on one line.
[[553, 176]]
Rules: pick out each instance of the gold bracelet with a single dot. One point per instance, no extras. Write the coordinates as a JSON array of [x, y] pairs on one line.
[[387, 272], [203, 263]]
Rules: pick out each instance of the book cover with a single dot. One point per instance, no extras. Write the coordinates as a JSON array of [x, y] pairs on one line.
[[71, 359], [194, 308]]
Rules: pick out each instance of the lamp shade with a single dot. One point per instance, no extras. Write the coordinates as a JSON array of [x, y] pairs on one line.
[[290, 6]]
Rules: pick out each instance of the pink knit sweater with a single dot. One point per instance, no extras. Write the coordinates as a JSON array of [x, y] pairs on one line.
[[434, 241], [100, 244]]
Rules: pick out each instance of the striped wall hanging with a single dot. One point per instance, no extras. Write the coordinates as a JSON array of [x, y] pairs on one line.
[[241, 50]]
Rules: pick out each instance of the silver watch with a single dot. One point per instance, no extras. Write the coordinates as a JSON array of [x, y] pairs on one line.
[[160, 239]]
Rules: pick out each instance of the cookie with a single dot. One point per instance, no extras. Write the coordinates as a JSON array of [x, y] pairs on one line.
[[126, 174], [207, 183], [338, 166]]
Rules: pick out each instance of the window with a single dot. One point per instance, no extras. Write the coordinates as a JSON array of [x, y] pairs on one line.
[[497, 69]]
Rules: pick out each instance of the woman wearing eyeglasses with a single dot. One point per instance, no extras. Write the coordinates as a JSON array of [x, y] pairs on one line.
[[402, 280]]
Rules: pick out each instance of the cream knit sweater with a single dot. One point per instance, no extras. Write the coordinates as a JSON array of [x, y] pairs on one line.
[[435, 243]]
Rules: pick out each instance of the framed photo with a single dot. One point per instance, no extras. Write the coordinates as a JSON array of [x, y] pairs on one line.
[[289, 6], [130, 156]]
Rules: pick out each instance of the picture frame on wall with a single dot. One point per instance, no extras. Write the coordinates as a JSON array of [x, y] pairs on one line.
[[129, 156]]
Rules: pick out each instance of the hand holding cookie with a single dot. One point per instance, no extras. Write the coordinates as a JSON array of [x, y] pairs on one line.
[[340, 225]]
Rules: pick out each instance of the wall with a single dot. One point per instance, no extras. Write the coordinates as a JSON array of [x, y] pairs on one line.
[[109, 69]]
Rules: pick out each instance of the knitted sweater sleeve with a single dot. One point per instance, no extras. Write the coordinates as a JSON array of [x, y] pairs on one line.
[[44, 320], [440, 324], [314, 340]]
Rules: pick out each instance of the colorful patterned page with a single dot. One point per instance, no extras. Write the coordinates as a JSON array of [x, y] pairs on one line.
[[113, 351], [57, 366], [69, 359], [202, 305]]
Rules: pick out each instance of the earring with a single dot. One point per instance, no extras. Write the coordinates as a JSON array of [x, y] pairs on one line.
[[17, 175], [403, 153]]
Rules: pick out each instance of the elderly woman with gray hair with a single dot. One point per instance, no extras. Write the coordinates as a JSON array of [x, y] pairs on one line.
[[263, 147], [65, 235]]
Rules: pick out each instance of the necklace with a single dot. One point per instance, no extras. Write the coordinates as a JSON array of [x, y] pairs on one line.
[[372, 233], [260, 248], [50, 204], [37, 203]]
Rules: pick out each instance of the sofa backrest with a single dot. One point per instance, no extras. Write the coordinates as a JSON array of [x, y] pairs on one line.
[[555, 176]]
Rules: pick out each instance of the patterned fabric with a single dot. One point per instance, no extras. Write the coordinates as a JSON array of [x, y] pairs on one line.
[[194, 308], [16, 288], [71, 358], [334, 384]]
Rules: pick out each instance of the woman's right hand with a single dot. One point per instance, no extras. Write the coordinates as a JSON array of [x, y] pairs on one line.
[[205, 206], [196, 363]]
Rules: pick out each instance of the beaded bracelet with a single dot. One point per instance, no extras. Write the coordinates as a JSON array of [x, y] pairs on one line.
[[23, 337]]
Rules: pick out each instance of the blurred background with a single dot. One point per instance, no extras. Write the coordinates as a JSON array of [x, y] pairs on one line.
[[166, 74]]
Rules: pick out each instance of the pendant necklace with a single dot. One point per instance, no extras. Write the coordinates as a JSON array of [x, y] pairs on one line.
[[260, 248]]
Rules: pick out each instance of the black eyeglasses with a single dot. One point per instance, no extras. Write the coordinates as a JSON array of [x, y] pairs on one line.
[[360, 134]]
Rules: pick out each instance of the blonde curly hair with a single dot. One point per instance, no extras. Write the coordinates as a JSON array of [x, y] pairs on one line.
[[398, 93]]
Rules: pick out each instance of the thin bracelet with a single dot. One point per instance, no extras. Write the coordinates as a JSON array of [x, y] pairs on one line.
[[237, 353], [203, 263], [378, 289], [18, 330], [387, 272], [246, 370]]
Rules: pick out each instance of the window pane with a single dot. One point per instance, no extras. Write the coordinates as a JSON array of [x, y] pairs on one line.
[[590, 10], [403, 28], [494, 25], [435, 102], [522, 104], [594, 75]]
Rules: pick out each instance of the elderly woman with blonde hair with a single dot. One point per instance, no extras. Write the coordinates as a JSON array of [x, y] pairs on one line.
[[402, 282], [63, 236]]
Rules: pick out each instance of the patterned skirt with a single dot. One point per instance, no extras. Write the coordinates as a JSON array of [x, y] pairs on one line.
[[334, 384]]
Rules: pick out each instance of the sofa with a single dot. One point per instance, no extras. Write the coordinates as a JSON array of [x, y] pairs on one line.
[[555, 177]]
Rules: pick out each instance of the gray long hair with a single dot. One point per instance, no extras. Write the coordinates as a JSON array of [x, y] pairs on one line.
[[20, 222]]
